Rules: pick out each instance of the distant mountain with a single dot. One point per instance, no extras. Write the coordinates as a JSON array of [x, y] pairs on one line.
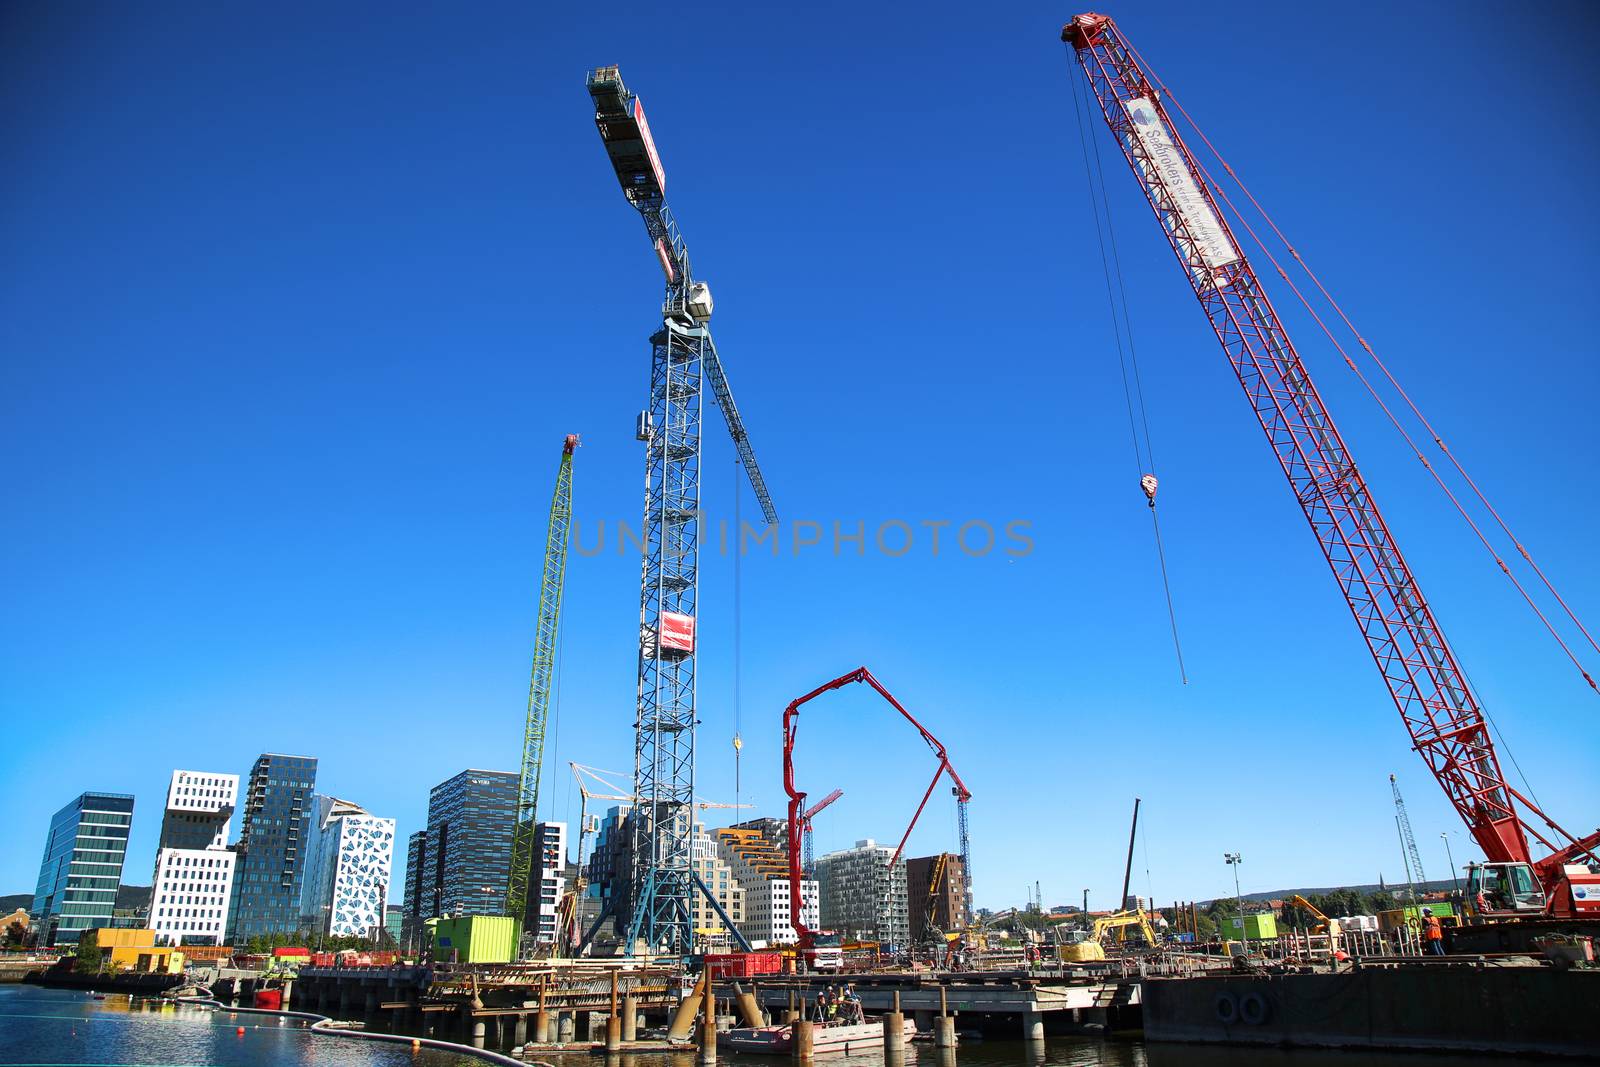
[[133, 896], [1392, 887], [128, 896]]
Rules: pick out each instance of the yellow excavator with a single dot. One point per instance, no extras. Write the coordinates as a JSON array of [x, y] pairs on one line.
[[1092, 947], [1323, 923]]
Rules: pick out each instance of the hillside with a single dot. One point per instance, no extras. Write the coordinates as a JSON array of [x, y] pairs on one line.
[[128, 896]]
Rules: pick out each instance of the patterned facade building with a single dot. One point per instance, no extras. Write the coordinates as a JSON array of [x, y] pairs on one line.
[[350, 855]]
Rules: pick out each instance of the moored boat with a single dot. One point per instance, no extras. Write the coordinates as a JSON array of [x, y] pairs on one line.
[[831, 1037]]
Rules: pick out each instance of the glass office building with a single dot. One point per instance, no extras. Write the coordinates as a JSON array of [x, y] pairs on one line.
[[269, 873], [82, 866], [461, 863]]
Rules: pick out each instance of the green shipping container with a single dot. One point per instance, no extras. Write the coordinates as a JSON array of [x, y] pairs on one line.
[[476, 939], [1253, 927]]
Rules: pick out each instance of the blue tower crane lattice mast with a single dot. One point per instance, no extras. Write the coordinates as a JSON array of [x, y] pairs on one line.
[[683, 358]]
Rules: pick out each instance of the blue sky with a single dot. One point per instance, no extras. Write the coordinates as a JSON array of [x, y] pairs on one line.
[[301, 301]]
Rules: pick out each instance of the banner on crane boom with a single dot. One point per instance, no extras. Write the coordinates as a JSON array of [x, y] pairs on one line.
[[649, 146], [1162, 155], [677, 632]]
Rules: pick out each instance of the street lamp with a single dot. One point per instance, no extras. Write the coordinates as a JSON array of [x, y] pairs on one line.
[[1233, 859], [1445, 837]]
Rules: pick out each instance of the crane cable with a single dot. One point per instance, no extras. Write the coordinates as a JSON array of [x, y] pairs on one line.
[[738, 627], [1377, 398], [1146, 452]]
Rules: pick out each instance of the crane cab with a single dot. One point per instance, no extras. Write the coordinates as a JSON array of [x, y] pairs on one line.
[[1504, 890]]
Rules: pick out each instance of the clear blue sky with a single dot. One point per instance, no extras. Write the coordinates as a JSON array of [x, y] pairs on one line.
[[299, 301]]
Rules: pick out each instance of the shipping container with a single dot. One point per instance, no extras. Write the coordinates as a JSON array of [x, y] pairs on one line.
[[1256, 926], [476, 939], [744, 964]]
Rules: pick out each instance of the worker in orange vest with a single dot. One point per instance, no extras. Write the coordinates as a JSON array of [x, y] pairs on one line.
[[1432, 933]]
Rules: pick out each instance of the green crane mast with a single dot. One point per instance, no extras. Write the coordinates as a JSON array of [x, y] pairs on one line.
[[523, 865]]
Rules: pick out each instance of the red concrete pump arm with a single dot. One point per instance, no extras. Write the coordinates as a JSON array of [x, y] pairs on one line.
[[797, 798]]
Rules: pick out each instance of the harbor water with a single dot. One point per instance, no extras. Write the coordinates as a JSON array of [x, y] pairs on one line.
[[57, 1028], [42, 1027]]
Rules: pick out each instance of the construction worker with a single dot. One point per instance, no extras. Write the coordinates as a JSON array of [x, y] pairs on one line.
[[1432, 933]]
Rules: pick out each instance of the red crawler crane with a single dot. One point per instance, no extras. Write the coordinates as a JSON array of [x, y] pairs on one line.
[[797, 799], [1439, 709]]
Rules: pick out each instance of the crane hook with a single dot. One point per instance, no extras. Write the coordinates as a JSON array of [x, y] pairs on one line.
[[1148, 483]]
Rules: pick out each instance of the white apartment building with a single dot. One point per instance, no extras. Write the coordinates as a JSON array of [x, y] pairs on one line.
[[550, 853], [864, 895], [760, 865], [718, 876], [193, 879]]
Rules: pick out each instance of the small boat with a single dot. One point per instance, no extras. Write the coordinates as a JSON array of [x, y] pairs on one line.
[[831, 1037]]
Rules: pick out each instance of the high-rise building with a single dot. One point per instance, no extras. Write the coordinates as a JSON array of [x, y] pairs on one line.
[[948, 898], [270, 869], [82, 866], [864, 895], [417, 898], [550, 858], [610, 874], [349, 857], [758, 857], [717, 875], [193, 881], [460, 864]]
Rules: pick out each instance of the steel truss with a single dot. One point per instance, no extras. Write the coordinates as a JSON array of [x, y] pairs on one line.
[[1440, 712]]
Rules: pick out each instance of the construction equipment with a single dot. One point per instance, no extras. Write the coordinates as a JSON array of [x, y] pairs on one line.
[[791, 716], [1133, 919], [1408, 842], [1079, 946], [931, 904], [1323, 923], [586, 826], [1440, 711], [520, 889], [683, 356], [582, 776], [811, 813]]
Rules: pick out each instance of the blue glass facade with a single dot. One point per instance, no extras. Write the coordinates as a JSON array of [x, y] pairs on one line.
[[270, 870], [82, 865], [461, 863]]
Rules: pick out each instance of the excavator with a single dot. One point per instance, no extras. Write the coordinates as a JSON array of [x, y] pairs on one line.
[[1092, 948], [1323, 924]]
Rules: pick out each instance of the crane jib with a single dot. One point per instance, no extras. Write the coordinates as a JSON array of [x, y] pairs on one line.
[[1447, 726]]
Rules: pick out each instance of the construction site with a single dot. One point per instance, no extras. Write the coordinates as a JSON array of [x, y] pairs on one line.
[[675, 933], [667, 922]]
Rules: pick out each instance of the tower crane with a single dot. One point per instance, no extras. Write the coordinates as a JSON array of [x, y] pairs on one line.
[[546, 631], [682, 358], [1440, 711], [1408, 841], [806, 827], [583, 775]]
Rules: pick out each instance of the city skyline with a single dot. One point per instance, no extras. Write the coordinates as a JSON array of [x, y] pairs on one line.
[[285, 417]]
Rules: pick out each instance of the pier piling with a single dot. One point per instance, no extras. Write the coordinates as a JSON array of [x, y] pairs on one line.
[[801, 1049], [630, 1019]]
